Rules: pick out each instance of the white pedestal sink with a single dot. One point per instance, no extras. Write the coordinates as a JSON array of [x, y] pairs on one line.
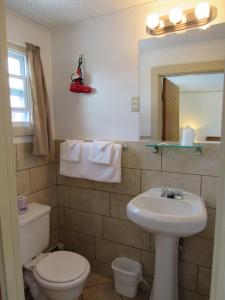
[[169, 219]]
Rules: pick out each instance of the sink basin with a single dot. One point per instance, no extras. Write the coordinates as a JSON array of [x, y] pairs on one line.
[[167, 216], [169, 219]]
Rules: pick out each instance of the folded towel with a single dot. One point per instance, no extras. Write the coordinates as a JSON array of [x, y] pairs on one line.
[[101, 152], [92, 171], [71, 150]]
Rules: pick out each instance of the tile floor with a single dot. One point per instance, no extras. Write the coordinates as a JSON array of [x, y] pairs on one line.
[[99, 287]]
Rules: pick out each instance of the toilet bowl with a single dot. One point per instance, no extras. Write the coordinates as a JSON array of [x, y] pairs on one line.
[[57, 275], [60, 275]]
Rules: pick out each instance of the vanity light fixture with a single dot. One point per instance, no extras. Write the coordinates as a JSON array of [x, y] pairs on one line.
[[153, 21], [176, 15], [178, 20], [202, 10]]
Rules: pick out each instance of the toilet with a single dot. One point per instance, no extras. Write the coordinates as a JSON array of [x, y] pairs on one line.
[[59, 275]]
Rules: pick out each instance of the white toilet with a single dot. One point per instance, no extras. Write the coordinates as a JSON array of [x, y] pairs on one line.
[[58, 275]]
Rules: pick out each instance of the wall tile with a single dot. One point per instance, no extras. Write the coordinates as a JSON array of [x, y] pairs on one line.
[[148, 263], [209, 190], [130, 184], [186, 161], [23, 182], [26, 159], [107, 251], [63, 195], [89, 200], [210, 229], [74, 182], [61, 216], [143, 287], [189, 295], [198, 250], [101, 268], [80, 243], [54, 237], [54, 220], [65, 237], [187, 275], [126, 233], [154, 179], [47, 196], [204, 280], [42, 177], [138, 156], [152, 242], [83, 222], [118, 205]]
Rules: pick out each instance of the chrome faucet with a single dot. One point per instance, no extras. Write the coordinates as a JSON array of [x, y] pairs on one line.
[[172, 193]]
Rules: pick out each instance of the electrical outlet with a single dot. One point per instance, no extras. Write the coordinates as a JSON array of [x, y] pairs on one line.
[[135, 104]]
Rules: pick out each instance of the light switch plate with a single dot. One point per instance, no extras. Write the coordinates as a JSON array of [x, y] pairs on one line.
[[135, 104]]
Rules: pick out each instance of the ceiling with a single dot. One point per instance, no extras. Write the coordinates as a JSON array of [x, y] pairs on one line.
[[56, 13], [199, 82]]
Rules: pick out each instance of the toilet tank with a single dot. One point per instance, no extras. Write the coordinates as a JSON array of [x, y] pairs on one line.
[[34, 229]]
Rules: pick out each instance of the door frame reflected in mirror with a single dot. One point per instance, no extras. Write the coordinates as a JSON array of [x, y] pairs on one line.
[[157, 73]]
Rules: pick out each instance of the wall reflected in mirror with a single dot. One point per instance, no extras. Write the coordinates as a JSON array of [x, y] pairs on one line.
[[192, 100]]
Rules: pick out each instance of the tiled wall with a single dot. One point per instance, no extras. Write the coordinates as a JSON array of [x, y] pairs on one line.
[[90, 217], [93, 218], [36, 178]]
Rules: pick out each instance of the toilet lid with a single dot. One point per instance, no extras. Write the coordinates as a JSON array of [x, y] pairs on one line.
[[61, 266]]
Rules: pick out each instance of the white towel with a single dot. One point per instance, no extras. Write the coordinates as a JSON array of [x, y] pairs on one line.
[[97, 172], [71, 150], [101, 152]]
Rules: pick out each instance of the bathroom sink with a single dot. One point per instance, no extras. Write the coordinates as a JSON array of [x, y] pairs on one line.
[[168, 216]]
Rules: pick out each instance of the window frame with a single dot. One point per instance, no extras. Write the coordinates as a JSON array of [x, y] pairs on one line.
[[22, 128]]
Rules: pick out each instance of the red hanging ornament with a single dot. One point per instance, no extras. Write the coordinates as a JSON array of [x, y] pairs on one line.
[[77, 85]]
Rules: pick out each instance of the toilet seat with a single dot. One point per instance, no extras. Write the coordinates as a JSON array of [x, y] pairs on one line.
[[61, 270]]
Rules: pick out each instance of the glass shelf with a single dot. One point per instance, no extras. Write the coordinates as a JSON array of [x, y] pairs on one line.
[[157, 146]]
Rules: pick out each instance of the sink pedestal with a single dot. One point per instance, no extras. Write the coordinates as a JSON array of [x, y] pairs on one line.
[[165, 284]]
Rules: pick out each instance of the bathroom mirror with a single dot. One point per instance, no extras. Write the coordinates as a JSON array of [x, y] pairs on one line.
[[193, 100], [181, 83]]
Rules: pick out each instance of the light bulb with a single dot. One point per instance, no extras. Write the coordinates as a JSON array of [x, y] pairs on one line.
[[202, 10], [176, 15], [153, 21]]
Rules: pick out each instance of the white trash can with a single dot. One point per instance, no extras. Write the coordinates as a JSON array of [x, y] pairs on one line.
[[127, 275]]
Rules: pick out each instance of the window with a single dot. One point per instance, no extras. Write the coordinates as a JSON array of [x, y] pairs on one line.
[[19, 88]]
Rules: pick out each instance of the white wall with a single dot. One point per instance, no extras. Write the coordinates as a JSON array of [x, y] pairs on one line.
[[203, 112], [110, 48], [20, 30]]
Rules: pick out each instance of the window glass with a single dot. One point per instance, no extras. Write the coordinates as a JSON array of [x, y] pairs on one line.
[[19, 88]]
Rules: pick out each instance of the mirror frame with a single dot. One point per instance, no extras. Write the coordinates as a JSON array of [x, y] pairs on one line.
[[157, 73]]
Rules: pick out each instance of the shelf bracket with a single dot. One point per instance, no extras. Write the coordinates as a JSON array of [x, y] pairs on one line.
[[155, 149], [198, 151]]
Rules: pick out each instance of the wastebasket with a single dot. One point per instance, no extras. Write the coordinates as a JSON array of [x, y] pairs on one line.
[[127, 275]]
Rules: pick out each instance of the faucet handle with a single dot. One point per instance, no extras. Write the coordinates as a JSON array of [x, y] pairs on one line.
[[179, 193], [164, 191]]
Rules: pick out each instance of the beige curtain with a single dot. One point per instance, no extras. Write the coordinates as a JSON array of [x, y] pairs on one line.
[[42, 132]]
